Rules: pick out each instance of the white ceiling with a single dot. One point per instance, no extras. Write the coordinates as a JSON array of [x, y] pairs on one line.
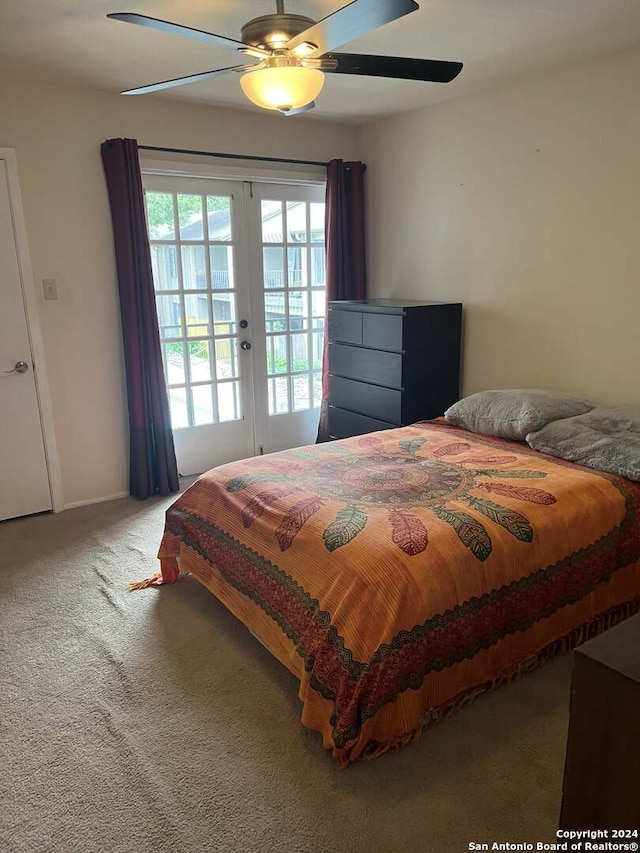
[[71, 41]]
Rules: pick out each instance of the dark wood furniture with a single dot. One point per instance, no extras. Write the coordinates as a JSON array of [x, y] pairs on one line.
[[391, 362], [602, 770]]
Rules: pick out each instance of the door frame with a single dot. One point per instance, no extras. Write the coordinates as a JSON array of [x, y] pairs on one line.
[[36, 341]]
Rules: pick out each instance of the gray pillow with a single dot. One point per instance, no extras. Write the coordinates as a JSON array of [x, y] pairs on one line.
[[606, 438], [513, 413]]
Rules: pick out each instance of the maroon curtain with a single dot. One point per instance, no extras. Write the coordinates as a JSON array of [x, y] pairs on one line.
[[152, 465], [344, 230]]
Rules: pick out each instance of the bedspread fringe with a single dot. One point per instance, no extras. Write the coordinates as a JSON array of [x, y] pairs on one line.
[[565, 644], [169, 573]]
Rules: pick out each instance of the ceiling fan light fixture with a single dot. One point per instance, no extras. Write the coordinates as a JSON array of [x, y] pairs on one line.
[[282, 88]]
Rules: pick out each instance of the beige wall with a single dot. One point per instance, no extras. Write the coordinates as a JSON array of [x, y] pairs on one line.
[[57, 134], [523, 203]]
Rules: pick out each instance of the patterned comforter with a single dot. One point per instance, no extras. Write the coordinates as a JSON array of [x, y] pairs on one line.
[[400, 573]]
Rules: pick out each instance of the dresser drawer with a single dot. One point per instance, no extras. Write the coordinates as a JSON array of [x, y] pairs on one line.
[[384, 404], [343, 424], [345, 326], [382, 331], [367, 365]]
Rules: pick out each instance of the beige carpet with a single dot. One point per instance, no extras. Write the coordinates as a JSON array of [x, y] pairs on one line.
[[153, 721]]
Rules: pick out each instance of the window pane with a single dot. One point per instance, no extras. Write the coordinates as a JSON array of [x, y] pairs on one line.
[[272, 222], [178, 407], [317, 390], [318, 267], [165, 271], [296, 222], [277, 361], [318, 346], [278, 395], [275, 312], [229, 401], [174, 363], [199, 361], [160, 216], [202, 404], [224, 313], [221, 262], [219, 217], [190, 217], [169, 316], [299, 353], [194, 272], [197, 310], [297, 266], [316, 215], [227, 358], [319, 303], [298, 309], [273, 267], [300, 394]]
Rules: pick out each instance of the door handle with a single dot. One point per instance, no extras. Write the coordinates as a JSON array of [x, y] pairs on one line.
[[20, 367], [245, 345]]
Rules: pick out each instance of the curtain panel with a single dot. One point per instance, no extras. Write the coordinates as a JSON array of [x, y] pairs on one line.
[[345, 242], [152, 467]]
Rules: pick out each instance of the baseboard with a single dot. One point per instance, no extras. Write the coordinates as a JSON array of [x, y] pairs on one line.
[[117, 496]]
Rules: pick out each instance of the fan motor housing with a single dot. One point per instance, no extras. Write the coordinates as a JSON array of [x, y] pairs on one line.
[[259, 31]]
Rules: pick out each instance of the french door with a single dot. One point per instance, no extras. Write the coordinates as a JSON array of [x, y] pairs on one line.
[[240, 293]]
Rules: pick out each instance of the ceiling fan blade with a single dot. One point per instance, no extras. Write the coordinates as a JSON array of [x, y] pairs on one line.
[[192, 78], [180, 30], [356, 19], [298, 110], [430, 70]]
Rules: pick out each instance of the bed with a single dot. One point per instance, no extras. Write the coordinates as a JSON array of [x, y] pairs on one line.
[[399, 574]]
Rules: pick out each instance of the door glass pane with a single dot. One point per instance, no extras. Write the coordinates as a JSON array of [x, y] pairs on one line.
[[272, 222], [299, 353], [300, 394], [296, 222], [275, 312], [277, 356], [278, 395], [297, 266], [164, 266], [229, 401], [160, 216], [173, 355], [197, 311], [273, 266], [219, 217], [194, 271], [224, 313], [227, 358], [178, 407], [318, 267], [169, 312], [202, 401], [221, 263], [298, 309], [319, 303], [317, 390], [318, 346], [316, 216], [200, 361], [190, 217]]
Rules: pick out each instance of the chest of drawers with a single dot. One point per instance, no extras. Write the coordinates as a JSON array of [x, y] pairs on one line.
[[391, 362]]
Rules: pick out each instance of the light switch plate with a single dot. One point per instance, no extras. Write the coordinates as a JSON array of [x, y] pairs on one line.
[[50, 288]]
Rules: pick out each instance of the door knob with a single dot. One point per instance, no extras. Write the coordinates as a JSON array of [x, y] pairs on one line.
[[245, 345], [21, 367]]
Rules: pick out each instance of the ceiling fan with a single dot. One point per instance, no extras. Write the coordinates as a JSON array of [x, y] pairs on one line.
[[291, 53]]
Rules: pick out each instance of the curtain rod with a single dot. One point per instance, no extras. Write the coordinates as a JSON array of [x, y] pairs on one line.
[[234, 156], [322, 163]]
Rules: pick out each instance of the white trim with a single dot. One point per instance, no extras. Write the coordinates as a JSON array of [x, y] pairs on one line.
[[35, 333], [265, 174], [102, 500]]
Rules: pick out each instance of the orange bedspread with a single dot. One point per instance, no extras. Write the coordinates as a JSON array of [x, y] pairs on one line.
[[397, 573]]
